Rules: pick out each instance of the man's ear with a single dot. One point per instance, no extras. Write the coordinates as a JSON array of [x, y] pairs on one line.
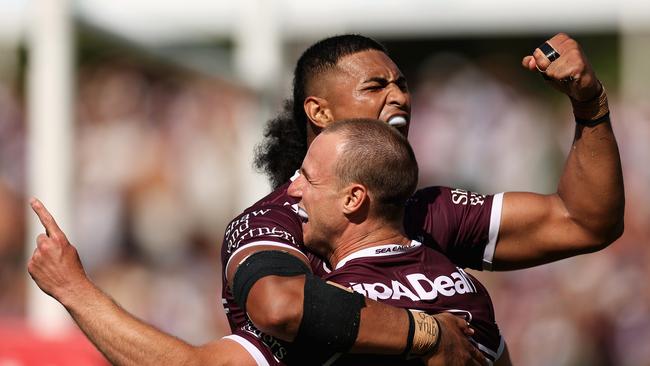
[[317, 111], [355, 199]]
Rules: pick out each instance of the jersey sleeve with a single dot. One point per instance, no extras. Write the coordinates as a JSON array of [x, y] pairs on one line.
[[269, 225], [462, 224], [263, 348]]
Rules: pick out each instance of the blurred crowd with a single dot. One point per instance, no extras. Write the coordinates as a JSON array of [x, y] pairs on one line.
[[160, 159]]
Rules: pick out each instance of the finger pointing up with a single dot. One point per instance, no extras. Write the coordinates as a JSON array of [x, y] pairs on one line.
[[51, 227]]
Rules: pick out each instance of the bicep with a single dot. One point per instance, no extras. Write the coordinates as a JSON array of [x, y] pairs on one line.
[[536, 229], [240, 256]]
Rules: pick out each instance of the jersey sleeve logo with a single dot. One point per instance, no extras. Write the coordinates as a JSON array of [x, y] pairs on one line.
[[242, 229], [463, 197]]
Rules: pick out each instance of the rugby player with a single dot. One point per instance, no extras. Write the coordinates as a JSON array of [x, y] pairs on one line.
[[353, 77], [352, 210]]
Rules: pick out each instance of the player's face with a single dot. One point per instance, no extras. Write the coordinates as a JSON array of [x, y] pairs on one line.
[[319, 193], [368, 84]]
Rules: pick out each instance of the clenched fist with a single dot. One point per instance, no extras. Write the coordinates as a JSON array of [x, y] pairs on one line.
[[570, 73]]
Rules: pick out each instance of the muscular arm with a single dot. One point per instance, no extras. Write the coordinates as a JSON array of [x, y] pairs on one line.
[[121, 337], [126, 340], [586, 212], [275, 305]]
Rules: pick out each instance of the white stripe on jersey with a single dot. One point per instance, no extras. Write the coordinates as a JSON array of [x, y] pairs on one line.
[[493, 234], [281, 246], [250, 348], [495, 355]]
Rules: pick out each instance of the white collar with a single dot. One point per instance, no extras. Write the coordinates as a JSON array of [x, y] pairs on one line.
[[379, 251]]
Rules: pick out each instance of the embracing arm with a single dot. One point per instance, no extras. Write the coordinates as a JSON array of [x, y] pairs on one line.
[[303, 309], [586, 212], [121, 337], [126, 340]]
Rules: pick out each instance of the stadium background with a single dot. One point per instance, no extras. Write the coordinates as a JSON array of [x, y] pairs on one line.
[[159, 106]]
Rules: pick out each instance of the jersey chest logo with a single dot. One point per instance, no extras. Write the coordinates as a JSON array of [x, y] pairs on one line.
[[418, 287]]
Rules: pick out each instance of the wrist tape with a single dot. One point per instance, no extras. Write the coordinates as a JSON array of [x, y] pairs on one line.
[[424, 334], [593, 111]]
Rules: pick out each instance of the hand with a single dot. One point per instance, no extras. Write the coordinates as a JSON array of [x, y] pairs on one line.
[[455, 348], [570, 73], [55, 265]]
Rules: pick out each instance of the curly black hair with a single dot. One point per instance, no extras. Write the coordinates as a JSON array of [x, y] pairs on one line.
[[284, 145]]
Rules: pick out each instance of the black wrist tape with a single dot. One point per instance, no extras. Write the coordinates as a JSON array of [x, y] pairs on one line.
[[262, 264], [409, 338], [592, 123]]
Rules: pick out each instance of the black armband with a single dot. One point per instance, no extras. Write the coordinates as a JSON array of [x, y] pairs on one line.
[[262, 264], [330, 318]]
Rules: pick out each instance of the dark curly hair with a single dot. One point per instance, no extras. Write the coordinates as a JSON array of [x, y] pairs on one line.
[[285, 136]]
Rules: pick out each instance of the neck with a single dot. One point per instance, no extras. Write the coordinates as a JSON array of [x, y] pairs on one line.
[[365, 235], [312, 132]]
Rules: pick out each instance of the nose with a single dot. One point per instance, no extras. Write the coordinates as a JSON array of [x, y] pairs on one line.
[[295, 188], [399, 96]]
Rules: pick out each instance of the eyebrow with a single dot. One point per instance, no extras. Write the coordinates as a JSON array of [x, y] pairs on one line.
[[382, 80], [304, 172]]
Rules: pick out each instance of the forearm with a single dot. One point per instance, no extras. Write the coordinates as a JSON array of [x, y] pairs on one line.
[[124, 340], [121, 337], [275, 305], [591, 185], [586, 212], [585, 215], [383, 329], [310, 313]]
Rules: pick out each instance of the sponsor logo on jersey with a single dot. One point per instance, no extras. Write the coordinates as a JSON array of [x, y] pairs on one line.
[[463, 197], [395, 248], [418, 287], [240, 230]]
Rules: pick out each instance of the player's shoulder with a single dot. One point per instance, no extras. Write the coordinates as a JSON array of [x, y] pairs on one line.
[[445, 195], [430, 192], [273, 220], [277, 203], [427, 196]]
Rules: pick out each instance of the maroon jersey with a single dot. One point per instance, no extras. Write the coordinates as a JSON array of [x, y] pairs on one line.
[[413, 277], [420, 278], [459, 224], [463, 225]]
